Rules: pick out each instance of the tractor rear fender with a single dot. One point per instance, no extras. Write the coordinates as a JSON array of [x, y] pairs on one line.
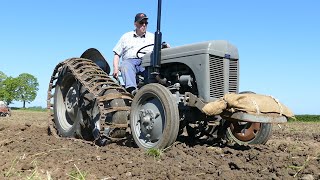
[[193, 101], [95, 56]]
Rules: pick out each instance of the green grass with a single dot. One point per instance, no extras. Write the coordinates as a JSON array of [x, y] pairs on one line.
[[306, 118], [299, 169], [11, 170], [155, 153], [77, 174], [34, 108]]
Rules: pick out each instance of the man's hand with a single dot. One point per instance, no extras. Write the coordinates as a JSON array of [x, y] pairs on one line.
[[116, 65], [116, 73], [165, 45]]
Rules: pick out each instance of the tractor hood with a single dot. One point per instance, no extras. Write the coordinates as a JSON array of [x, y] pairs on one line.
[[220, 48]]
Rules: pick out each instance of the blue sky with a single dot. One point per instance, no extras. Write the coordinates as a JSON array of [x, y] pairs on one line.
[[278, 41]]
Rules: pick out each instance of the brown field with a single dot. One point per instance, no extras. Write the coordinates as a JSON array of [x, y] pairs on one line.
[[28, 152]]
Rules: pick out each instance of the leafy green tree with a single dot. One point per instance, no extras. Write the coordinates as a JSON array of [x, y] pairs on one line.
[[2, 76], [8, 89], [27, 88]]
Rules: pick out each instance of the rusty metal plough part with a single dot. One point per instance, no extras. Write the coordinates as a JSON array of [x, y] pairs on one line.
[[96, 82]]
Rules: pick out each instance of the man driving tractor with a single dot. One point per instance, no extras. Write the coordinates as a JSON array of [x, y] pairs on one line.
[[127, 48]]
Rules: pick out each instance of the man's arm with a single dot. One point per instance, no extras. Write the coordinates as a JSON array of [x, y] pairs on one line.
[[116, 59]]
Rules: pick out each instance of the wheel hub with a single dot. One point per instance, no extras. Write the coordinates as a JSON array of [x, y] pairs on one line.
[[71, 101], [147, 119], [246, 131]]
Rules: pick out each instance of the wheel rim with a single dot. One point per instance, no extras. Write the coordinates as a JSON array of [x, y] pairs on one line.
[[245, 131], [149, 120], [67, 105]]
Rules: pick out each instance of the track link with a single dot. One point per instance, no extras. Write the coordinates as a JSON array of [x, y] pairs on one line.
[[96, 82]]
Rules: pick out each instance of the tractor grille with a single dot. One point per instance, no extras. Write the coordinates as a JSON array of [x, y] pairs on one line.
[[223, 76], [233, 76], [216, 76]]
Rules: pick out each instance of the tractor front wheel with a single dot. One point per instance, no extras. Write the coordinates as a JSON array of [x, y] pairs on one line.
[[154, 117]]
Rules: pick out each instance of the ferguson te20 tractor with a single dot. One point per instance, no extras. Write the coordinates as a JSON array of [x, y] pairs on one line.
[[86, 103]]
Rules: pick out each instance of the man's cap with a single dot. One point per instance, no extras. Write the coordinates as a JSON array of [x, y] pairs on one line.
[[140, 16]]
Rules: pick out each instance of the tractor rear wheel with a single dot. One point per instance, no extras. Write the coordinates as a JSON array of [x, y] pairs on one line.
[[67, 113], [154, 117]]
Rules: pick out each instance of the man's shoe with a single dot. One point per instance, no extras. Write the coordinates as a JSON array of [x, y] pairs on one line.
[[134, 92]]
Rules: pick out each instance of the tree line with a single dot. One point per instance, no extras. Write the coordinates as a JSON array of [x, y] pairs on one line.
[[22, 88]]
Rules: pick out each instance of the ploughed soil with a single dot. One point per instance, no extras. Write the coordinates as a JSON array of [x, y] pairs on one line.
[[28, 152]]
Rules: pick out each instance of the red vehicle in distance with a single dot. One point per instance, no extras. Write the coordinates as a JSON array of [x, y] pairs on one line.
[[5, 111]]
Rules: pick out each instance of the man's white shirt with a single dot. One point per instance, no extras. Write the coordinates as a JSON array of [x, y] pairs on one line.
[[130, 43]]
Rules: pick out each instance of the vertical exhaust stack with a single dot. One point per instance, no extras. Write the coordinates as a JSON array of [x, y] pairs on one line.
[[156, 57]]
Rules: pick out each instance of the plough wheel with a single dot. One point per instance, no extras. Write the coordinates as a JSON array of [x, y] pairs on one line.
[[249, 133]]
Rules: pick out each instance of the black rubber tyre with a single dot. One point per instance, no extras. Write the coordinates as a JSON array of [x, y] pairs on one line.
[[154, 117], [247, 132], [67, 114]]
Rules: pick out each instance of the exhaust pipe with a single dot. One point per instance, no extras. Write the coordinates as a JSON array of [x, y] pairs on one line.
[[156, 56]]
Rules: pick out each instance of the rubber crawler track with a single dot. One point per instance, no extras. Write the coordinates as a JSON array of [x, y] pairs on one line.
[[96, 81]]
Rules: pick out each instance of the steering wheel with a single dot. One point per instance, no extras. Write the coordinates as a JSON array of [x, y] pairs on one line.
[[140, 51]]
